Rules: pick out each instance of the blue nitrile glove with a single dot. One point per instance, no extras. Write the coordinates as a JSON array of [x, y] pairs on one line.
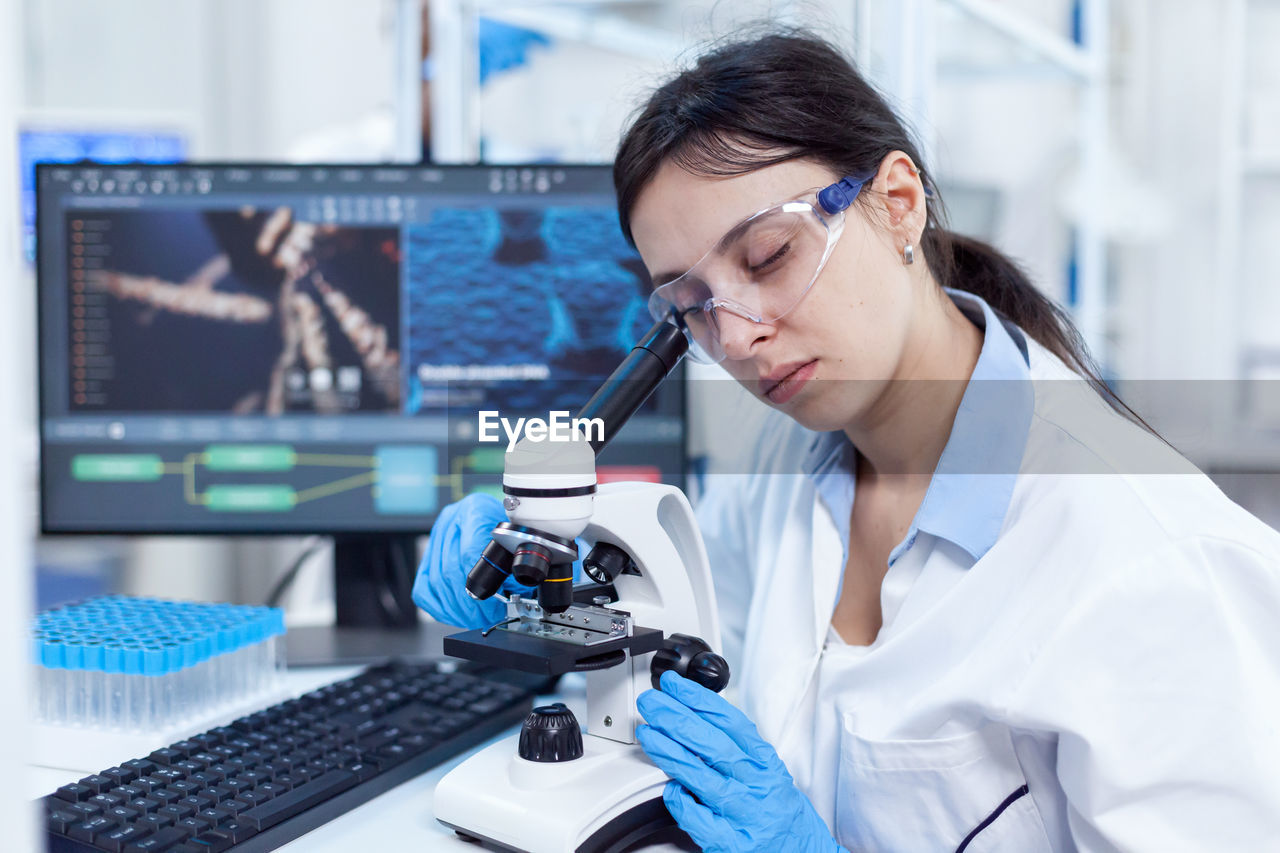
[[746, 799], [460, 534]]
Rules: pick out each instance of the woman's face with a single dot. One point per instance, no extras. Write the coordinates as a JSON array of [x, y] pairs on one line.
[[828, 359]]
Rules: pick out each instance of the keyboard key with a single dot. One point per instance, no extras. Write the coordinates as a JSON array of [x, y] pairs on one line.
[[212, 841], [167, 756], [221, 792], [380, 738], [140, 766], [233, 805], [121, 814], [285, 781], [298, 800], [254, 797], [86, 809], [75, 792], [122, 775], [177, 811], [237, 830], [107, 801], [193, 825], [392, 753], [207, 778], [160, 842], [232, 766], [155, 822], [146, 805], [164, 796], [89, 829], [148, 783], [254, 777], [60, 820], [271, 789], [116, 839], [215, 816], [417, 742], [198, 801], [237, 784], [100, 784], [366, 769]]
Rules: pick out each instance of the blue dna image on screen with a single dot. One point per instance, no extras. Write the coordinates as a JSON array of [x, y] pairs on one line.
[[509, 308]]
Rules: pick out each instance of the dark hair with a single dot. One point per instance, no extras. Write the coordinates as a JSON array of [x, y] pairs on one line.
[[789, 94]]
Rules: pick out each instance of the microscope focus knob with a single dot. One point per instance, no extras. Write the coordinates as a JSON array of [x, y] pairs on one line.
[[710, 670], [691, 657], [550, 733]]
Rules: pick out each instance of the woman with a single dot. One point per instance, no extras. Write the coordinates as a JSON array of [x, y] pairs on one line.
[[982, 616]]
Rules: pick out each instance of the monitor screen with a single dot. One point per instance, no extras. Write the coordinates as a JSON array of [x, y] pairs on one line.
[[65, 142], [287, 349]]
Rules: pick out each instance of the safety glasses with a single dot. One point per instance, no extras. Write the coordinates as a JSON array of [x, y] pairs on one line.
[[759, 270]]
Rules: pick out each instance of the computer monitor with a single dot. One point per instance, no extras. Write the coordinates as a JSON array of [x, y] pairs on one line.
[[271, 349]]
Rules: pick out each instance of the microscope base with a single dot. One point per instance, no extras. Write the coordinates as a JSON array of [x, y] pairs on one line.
[[606, 801]]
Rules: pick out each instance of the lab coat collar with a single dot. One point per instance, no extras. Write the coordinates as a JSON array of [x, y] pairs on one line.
[[969, 493]]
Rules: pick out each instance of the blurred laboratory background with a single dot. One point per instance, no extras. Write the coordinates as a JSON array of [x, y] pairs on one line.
[[1127, 153]]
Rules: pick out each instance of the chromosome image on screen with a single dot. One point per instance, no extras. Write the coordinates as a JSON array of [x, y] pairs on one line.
[[237, 311], [509, 308]]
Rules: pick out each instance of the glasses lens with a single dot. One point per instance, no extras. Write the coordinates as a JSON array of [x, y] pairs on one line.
[[759, 271]]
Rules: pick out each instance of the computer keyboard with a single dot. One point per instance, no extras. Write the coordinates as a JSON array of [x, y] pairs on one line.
[[269, 777]]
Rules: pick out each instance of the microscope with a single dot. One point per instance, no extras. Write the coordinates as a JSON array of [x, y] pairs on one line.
[[565, 784]]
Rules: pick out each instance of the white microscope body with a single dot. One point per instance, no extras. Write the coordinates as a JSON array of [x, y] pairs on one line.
[[610, 796]]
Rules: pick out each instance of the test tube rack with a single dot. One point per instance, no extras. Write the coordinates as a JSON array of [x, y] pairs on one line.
[[117, 676]]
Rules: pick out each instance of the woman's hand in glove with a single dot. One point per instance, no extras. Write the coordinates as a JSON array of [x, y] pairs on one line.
[[731, 791]]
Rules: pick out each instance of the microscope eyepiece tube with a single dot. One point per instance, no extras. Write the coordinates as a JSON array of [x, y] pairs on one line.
[[493, 567], [632, 381], [531, 563]]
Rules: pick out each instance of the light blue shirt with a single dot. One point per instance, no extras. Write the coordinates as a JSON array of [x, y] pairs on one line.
[[969, 493]]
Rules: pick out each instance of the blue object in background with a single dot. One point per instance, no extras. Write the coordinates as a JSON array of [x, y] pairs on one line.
[[505, 46], [71, 146], [73, 570]]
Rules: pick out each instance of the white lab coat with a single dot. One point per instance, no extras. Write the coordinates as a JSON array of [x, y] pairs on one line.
[[1116, 651]]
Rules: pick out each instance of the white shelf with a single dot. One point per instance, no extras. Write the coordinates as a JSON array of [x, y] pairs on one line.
[[1058, 51], [1261, 162]]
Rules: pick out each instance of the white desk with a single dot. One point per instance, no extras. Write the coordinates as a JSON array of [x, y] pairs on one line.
[[400, 819]]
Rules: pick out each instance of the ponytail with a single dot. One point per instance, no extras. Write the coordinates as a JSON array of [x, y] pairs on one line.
[[965, 263]]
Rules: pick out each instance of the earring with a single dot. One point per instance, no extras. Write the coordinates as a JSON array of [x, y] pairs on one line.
[[908, 254]]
